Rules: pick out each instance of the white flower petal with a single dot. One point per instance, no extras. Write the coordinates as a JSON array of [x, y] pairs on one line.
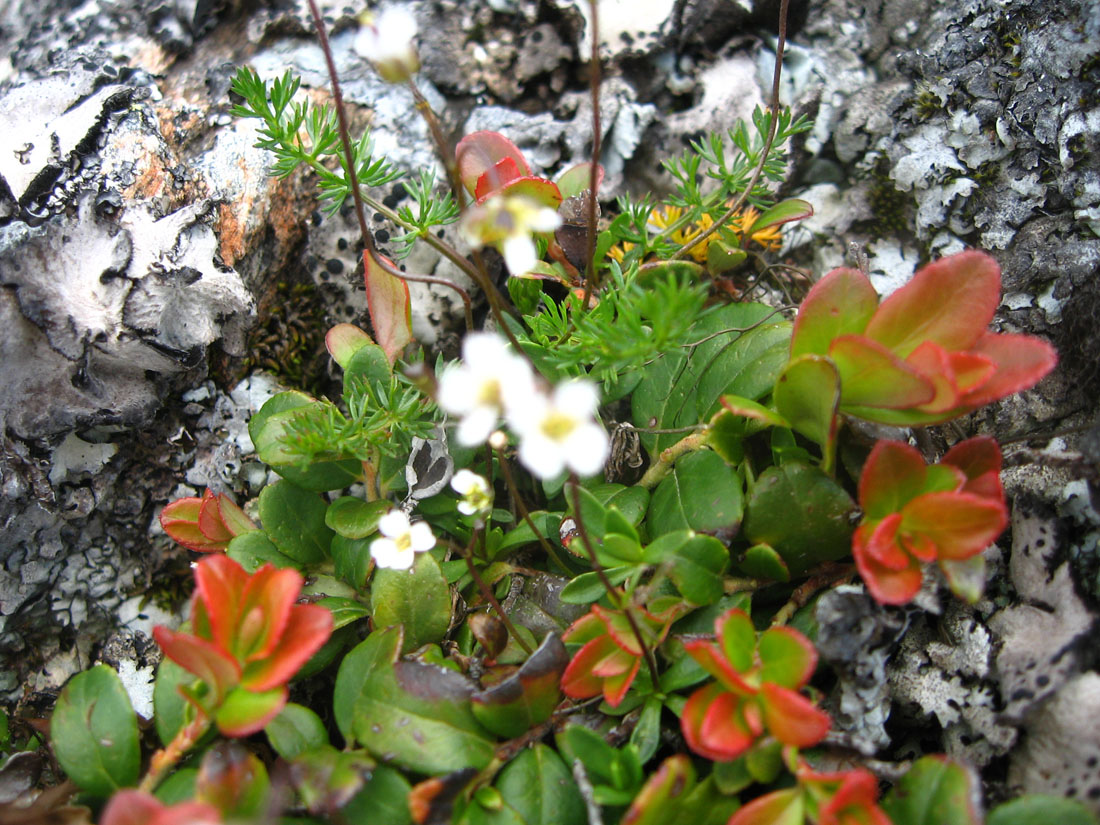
[[476, 426], [422, 537], [394, 524], [586, 449], [519, 253], [386, 553], [464, 481], [581, 398], [544, 220], [541, 456]]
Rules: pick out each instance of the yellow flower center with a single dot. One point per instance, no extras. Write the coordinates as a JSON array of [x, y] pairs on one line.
[[558, 426]]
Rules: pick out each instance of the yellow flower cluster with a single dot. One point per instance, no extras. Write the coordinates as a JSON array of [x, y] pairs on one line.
[[665, 216]]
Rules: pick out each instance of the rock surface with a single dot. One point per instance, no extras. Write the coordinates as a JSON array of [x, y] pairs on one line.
[[141, 238]]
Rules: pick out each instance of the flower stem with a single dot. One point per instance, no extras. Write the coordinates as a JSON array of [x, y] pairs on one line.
[[524, 513], [612, 593], [668, 456], [489, 596], [166, 758]]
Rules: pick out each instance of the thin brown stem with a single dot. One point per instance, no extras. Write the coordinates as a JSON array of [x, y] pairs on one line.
[[524, 513], [489, 596], [593, 172], [166, 758], [668, 457], [827, 574], [612, 593], [773, 122]]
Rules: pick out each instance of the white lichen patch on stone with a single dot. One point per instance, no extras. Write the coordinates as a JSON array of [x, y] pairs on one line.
[[929, 157], [891, 265], [138, 682], [627, 27], [1061, 753], [74, 455], [1038, 638]]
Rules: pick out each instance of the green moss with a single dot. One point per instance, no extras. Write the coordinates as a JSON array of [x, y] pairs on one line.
[[892, 210], [291, 340]]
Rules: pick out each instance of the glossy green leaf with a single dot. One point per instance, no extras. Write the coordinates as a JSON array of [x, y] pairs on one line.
[[371, 655], [242, 711], [343, 341], [415, 715], [786, 658], [419, 599], [351, 560], [383, 799], [1041, 809], [733, 776], [807, 394], [762, 562], [94, 732], [252, 550], [701, 493], [522, 534], [841, 303], [267, 428], [587, 587], [294, 519], [696, 567], [527, 697], [663, 794], [935, 791], [367, 364], [791, 209], [353, 518], [722, 256], [344, 611], [540, 788], [295, 730], [326, 778], [739, 353], [169, 707], [646, 736], [764, 761], [802, 513]]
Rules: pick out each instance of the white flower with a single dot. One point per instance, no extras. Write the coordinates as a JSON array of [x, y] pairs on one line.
[[560, 431], [481, 388], [507, 222], [401, 542], [476, 497], [387, 42]]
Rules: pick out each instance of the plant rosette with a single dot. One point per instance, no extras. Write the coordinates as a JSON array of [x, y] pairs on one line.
[[843, 798], [249, 639], [914, 513], [922, 356], [207, 524], [756, 690]]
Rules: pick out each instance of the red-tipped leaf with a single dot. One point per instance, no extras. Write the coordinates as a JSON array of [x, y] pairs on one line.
[[198, 656], [306, 631], [841, 303], [960, 524], [873, 376], [950, 302], [791, 717], [389, 305], [787, 657], [479, 152]]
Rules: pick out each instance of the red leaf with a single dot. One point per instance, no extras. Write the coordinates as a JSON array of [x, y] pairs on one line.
[[841, 303], [578, 682], [777, 808], [210, 519], [389, 305], [220, 584], [873, 376], [539, 190], [881, 542], [951, 373], [885, 585], [960, 524], [787, 657], [726, 728], [893, 474], [198, 656], [980, 460], [307, 630], [950, 302], [480, 151], [265, 610], [182, 509], [1021, 361], [190, 536], [615, 687], [692, 719], [791, 717], [496, 177], [710, 657]]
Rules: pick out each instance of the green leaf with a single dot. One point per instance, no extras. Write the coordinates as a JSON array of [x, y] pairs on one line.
[[722, 256], [343, 341], [682, 673], [368, 364], [762, 562], [578, 742], [94, 732], [324, 776], [383, 800], [701, 493], [295, 730], [294, 519], [792, 209], [344, 611], [169, 707], [353, 518], [252, 550], [802, 513], [732, 777], [419, 599], [540, 788], [365, 658], [935, 791], [587, 587], [267, 428], [351, 560], [522, 534], [646, 736], [1041, 809], [415, 715], [682, 388], [696, 565], [764, 760], [663, 794], [527, 697], [179, 787], [807, 394]]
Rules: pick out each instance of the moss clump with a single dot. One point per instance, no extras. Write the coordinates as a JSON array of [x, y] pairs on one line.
[[892, 210]]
